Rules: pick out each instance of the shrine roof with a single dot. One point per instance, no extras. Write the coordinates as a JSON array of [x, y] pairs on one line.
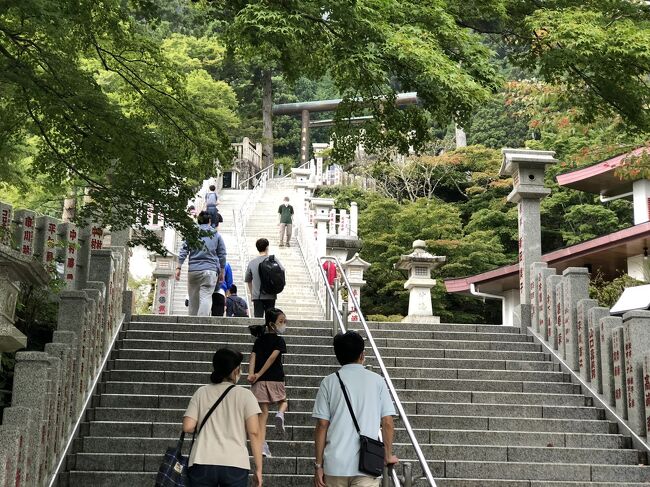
[[600, 178], [608, 254]]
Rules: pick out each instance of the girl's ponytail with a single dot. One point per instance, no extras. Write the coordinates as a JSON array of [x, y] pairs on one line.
[[257, 330]]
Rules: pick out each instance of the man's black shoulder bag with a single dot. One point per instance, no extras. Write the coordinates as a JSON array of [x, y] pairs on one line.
[[371, 453]]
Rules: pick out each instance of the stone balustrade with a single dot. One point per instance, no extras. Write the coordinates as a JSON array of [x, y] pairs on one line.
[[51, 388], [610, 354]]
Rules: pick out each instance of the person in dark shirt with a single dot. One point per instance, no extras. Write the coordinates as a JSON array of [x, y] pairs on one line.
[[236, 305], [265, 371]]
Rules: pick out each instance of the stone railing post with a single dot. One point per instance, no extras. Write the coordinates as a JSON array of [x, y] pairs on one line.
[[30, 390], [62, 352], [559, 316], [69, 234], [322, 207], [607, 327], [69, 340], [46, 240], [20, 419], [618, 362], [24, 230], [636, 335], [72, 318], [582, 317], [11, 456], [52, 413], [6, 224], [542, 300], [596, 364], [535, 308], [576, 287], [552, 283]]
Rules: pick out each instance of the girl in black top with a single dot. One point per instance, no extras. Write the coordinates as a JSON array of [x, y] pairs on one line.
[[265, 371]]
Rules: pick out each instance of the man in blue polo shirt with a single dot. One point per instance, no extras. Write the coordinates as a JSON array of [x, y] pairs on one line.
[[336, 441]]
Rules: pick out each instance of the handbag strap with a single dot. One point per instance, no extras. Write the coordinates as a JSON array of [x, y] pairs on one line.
[[347, 400], [207, 416]]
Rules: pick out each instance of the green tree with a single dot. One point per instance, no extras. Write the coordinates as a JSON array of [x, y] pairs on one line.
[[371, 50], [145, 150]]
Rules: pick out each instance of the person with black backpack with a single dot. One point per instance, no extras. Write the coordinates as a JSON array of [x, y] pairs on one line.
[[265, 278]]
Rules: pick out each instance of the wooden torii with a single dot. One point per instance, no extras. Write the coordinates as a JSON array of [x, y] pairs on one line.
[[305, 108]]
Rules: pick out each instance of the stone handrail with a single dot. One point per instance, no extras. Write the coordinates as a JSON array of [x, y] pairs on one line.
[[52, 388], [609, 356]]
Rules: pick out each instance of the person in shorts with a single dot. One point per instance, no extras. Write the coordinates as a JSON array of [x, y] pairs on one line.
[[266, 373]]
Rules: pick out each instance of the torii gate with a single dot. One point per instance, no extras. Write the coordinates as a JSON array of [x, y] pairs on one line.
[[305, 108]]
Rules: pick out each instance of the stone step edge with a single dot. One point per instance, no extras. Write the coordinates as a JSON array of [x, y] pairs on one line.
[[389, 367]]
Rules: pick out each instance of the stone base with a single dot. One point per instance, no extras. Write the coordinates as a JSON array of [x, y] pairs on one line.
[[11, 339], [431, 320]]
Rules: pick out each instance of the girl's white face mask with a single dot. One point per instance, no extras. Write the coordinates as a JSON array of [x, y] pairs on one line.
[[281, 329]]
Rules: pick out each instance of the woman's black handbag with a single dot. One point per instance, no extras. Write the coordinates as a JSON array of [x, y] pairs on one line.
[[173, 470], [371, 453]]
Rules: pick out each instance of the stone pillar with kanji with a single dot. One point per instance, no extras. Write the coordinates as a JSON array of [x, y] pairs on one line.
[[69, 238], [163, 274], [354, 269], [419, 265], [527, 168], [321, 208], [24, 231]]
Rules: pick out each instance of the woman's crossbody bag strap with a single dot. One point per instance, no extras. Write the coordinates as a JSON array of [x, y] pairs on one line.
[[207, 416]]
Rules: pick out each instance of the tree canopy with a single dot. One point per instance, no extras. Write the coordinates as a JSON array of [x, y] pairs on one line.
[[111, 110]]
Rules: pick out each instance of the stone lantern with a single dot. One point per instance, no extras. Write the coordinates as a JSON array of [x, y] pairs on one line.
[[419, 265], [527, 168], [321, 207], [163, 274], [354, 269]]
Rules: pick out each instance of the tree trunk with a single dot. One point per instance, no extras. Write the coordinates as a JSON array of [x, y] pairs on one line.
[[267, 118]]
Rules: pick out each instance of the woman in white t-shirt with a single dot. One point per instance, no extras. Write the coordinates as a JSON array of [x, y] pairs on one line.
[[220, 456]]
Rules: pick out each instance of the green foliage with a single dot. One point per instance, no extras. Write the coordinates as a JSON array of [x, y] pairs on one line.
[[607, 292], [372, 51], [384, 318], [110, 111]]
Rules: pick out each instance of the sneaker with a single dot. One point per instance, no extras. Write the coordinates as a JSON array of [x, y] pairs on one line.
[[265, 450], [279, 423], [288, 245], [281, 244]]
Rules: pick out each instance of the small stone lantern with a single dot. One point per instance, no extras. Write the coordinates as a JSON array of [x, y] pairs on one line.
[[419, 265], [321, 207], [163, 274], [354, 269]]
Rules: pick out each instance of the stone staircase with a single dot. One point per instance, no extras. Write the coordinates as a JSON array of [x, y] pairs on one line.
[[229, 199], [488, 406], [298, 298]]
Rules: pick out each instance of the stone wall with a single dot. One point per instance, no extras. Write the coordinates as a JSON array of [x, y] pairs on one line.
[[51, 388], [610, 354]]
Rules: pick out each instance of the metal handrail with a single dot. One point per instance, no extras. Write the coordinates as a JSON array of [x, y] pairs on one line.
[[398, 404], [309, 258], [267, 170], [244, 213]]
